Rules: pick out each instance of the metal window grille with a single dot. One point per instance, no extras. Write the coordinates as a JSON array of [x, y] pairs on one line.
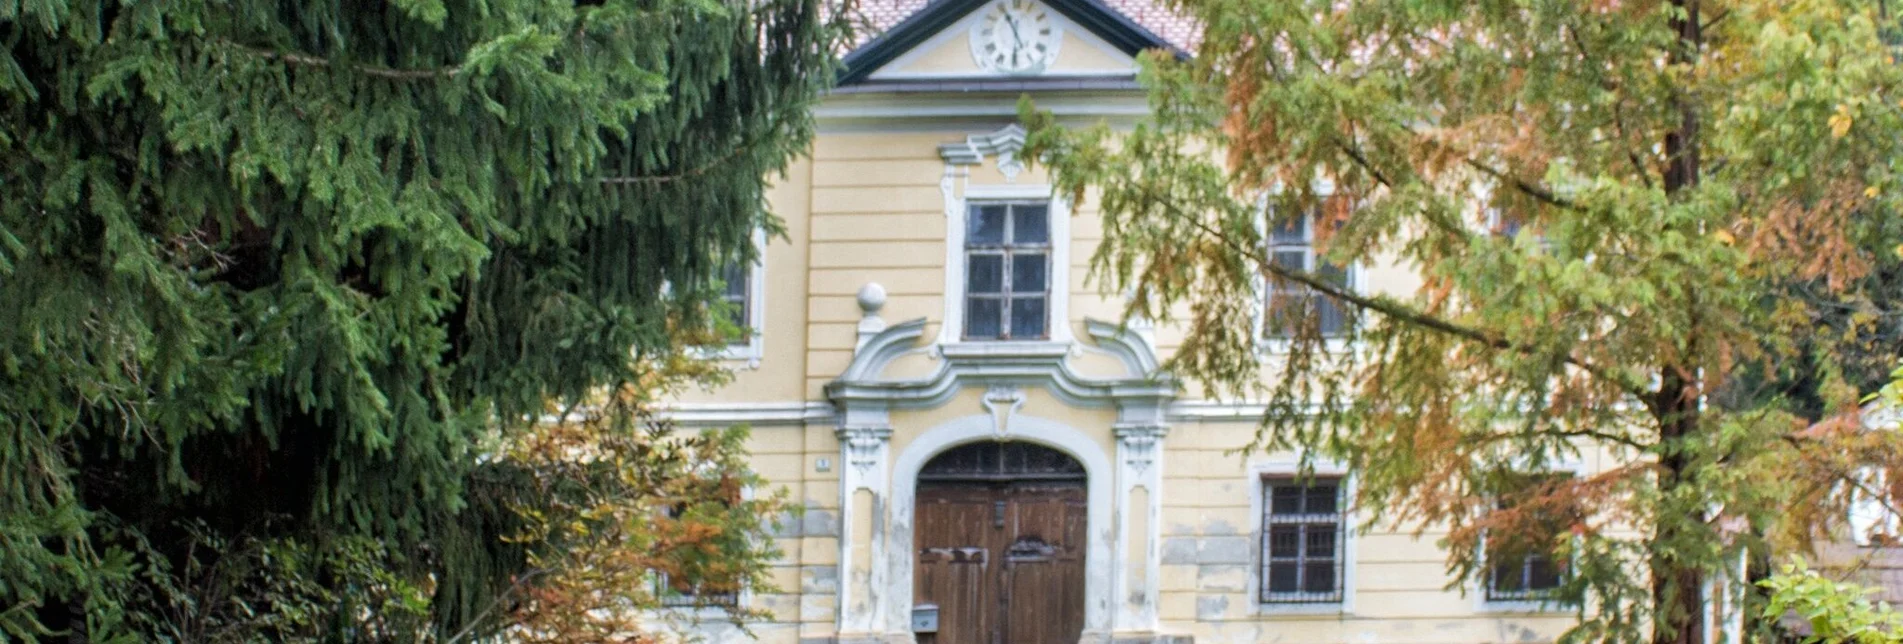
[[1523, 577], [1008, 270], [739, 307], [1292, 246], [1526, 569], [673, 593], [1510, 225], [1301, 541]]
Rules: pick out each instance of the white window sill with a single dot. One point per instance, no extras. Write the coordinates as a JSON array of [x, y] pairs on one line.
[[747, 354], [1318, 609], [1282, 346], [1523, 607], [1004, 349]]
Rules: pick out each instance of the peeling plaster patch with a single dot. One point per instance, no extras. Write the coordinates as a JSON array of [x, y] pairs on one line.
[[1219, 527], [1523, 633], [1179, 550], [1223, 550], [1210, 608], [785, 526], [1227, 578], [820, 523], [819, 579]]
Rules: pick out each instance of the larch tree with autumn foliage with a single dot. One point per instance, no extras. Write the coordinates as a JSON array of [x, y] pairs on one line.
[[1662, 232]]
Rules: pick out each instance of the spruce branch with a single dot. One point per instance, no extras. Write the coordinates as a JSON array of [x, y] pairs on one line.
[[308, 60]]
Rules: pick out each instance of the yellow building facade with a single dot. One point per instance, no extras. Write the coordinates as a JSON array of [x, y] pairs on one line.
[[930, 365]]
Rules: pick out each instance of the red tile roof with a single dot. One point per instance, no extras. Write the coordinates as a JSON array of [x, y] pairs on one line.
[[876, 16]]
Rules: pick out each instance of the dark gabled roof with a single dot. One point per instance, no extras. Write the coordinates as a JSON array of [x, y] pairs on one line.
[[1109, 24]]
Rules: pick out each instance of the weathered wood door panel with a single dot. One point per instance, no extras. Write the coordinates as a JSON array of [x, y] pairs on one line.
[[1043, 568], [1004, 561], [953, 527]]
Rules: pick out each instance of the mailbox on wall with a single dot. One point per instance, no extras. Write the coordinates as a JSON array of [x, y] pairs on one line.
[[925, 618]]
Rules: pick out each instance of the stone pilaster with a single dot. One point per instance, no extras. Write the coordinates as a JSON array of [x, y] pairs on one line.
[[865, 490], [1139, 499]]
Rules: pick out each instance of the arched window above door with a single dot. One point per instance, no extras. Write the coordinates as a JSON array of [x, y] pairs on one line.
[[1002, 461]]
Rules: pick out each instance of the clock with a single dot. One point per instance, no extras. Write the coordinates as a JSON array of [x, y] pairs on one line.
[[1015, 37]]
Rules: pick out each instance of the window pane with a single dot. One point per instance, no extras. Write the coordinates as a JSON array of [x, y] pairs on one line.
[[984, 274], [1291, 259], [734, 279], [1506, 575], [1027, 317], [1331, 318], [1320, 578], [1321, 499], [1321, 541], [1282, 578], [1332, 274], [1542, 573], [982, 317], [1285, 541], [1507, 224], [1291, 230], [986, 225], [1287, 500], [1028, 273], [736, 314], [1032, 224]]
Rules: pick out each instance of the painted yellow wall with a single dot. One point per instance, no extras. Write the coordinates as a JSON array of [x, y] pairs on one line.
[[867, 207]]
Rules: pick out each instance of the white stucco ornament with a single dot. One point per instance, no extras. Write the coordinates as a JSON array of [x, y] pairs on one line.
[[1003, 401], [871, 298]]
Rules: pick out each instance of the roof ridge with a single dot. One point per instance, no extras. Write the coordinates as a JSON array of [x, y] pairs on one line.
[[876, 17]]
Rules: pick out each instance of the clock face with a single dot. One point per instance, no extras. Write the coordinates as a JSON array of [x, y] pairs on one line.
[[1015, 37]]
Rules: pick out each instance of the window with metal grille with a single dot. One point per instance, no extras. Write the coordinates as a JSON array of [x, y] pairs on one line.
[[1301, 541], [1007, 271], [682, 593], [738, 310], [1510, 224], [1292, 304], [1527, 567]]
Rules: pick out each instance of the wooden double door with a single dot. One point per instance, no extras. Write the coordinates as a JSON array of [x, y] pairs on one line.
[[1003, 560]]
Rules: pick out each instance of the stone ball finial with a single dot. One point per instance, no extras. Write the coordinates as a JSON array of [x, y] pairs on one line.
[[871, 298]]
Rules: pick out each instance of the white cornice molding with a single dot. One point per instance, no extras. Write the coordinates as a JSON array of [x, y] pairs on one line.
[[970, 363], [752, 413], [935, 112], [1003, 144]]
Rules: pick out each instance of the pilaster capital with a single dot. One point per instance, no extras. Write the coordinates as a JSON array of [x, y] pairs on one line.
[[1143, 434], [863, 445]]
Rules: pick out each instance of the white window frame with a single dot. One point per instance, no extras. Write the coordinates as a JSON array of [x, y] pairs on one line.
[[1262, 289], [1867, 513], [957, 216], [754, 349], [1537, 606], [1259, 472], [697, 618]]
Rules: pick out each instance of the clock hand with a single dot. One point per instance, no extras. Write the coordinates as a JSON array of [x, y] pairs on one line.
[[1015, 36]]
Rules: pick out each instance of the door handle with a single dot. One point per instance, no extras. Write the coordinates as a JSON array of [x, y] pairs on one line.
[[997, 514]]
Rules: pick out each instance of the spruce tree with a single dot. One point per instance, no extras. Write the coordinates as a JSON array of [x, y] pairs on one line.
[[295, 270], [1648, 234]]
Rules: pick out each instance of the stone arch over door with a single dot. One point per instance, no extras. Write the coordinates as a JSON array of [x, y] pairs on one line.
[[1099, 472]]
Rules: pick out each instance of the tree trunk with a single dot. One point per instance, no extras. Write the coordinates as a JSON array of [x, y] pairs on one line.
[[1677, 597], [1677, 585]]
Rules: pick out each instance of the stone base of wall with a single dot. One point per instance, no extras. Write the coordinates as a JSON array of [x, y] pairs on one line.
[[1152, 638]]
